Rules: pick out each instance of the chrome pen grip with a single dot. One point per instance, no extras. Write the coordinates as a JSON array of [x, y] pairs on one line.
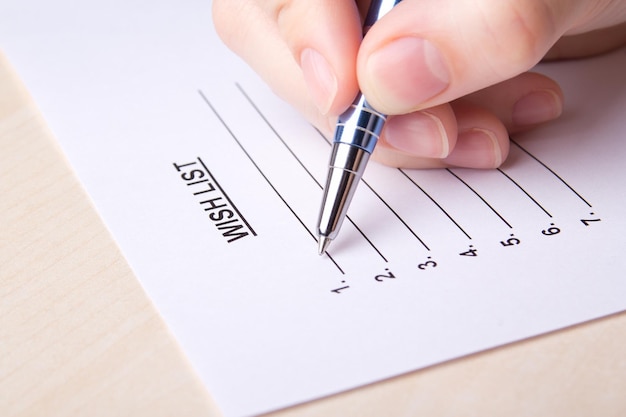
[[360, 125], [346, 167], [356, 134]]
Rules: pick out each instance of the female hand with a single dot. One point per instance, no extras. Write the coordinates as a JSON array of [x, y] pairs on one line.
[[452, 75]]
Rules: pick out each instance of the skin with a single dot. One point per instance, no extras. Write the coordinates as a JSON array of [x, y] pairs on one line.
[[453, 75]]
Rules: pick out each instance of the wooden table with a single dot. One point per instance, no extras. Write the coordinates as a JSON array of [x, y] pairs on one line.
[[79, 337]]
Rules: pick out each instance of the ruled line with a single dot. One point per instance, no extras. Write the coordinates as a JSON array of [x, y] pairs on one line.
[[232, 134], [273, 129], [435, 203], [552, 172], [481, 197], [397, 215], [293, 154], [525, 192]]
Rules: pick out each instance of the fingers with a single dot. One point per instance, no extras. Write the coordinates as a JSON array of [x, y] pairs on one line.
[[587, 44], [324, 37], [522, 102], [473, 131], [252, 34], [307, 52], [428, 52], [430, 133], [481, 139], [310, 44]]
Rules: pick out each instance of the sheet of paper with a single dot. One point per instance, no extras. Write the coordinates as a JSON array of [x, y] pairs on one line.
[[211, 186]]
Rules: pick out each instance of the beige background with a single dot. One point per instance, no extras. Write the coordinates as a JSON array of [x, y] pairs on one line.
[[78, 336]]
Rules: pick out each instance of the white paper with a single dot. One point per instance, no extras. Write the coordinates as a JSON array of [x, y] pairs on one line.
[[145, 101]]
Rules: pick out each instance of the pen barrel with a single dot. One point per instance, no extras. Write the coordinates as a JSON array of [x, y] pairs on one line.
[[360, 125], [347, 164], [356, 134]]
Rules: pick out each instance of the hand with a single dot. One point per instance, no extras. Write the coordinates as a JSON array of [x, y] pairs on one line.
[[452, 75]]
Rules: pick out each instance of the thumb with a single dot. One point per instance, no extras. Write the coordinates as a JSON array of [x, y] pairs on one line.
[[296, 45], [428, 52], [323, 37]]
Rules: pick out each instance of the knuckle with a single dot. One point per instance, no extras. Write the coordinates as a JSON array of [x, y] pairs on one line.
[[287, 17], [523, 34], [231, 18], [222, 12]]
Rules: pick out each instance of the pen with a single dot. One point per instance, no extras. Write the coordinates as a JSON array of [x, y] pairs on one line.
[[356, 134]]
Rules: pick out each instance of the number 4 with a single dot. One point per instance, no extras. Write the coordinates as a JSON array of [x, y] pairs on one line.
[[472, 251]]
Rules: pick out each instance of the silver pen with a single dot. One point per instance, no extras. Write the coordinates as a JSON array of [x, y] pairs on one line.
[[356, 134]]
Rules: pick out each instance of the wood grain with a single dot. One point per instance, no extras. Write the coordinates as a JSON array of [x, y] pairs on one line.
[[78, 336]]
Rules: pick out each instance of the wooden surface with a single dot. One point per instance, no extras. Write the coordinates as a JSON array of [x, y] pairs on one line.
[[79, 337]]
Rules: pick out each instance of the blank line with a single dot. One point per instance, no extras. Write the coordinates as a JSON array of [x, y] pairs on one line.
[[397, 215], [260, 171], [479, 196], [323, 137], [436, 203], [256, 108], [551, 171], [333, 261], [260, 113], [525, 192]]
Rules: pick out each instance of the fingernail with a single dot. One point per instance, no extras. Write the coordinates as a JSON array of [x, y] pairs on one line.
[[537, 107], [407, 72], [320, 79], [476, 148], [419, 134]]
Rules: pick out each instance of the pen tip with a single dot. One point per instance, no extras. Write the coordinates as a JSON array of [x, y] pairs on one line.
[[324, 241]]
